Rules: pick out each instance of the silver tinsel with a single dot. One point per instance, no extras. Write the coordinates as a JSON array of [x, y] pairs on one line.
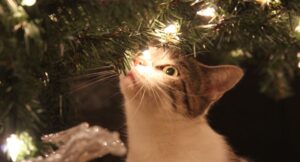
[[81, 144]]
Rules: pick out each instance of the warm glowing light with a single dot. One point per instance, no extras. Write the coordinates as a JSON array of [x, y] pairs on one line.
[[146, 71], [146, 55], [19, 146], [297, 29], [207, 12], [171, 29], [195, 2], [13, 146], [263, 1], [168, 34], [267, 2], [28, 2], [298, 55], [237, 53]]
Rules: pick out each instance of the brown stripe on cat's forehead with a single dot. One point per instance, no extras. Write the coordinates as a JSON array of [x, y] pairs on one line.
[[192, 80]]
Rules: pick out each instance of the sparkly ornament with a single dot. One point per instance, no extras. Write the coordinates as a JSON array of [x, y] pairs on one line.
[[82, 143], [28, 2]]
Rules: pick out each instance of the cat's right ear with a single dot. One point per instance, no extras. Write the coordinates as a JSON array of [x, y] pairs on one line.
[[219, 79]]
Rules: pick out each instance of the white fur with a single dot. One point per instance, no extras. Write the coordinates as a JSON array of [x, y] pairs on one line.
[[154, 136]]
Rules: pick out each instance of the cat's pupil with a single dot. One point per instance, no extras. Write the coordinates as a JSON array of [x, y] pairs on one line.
[[170, 71]]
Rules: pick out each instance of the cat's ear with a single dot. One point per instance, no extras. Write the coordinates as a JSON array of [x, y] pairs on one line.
[[219, 79]]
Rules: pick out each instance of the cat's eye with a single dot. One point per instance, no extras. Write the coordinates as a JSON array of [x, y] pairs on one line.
[[170, 70]]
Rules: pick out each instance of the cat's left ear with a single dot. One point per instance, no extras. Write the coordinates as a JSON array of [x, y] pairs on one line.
[[219, 79]]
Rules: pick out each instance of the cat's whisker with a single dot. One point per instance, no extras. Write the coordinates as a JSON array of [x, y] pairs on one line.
[[154, 96], [179, 91], [101, 67], [168, 112], [140, 103], [157, 99], [163, 93], [96, 78], [137, 93], [188, 55], [93, 82], [160, 99], [89, 75]]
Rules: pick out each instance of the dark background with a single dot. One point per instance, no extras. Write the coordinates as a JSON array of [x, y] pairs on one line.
[[256, 126]]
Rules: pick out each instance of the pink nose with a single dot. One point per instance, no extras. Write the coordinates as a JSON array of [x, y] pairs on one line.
[[139, 61]]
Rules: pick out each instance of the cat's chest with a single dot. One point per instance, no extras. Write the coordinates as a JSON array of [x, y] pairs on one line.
[[176, 151], [159, 142]]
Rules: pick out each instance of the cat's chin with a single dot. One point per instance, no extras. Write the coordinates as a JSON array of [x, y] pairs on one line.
[[128, 84]]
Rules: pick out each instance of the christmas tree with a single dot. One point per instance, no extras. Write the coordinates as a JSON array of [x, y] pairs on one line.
[[45, 43]]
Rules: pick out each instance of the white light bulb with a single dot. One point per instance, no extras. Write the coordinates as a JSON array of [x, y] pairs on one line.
[[263, 1], [207, 12], [195, 2], [267, 2], [171, 29], [297, 29], [168, 34], [146, 55], [298, 55], [13, 146], [28, 2]]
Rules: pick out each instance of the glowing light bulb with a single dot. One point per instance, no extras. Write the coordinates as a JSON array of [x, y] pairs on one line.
[[207, 12], [19, 146], [28, 2], [146, 54], [168, 34], [298, 55], [237, 53], [267, 2], [195, 2], [13, 146], [263, 1], [171, 29], [297, 29]]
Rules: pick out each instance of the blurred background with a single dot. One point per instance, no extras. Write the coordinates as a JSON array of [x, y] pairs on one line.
[[60, 61]]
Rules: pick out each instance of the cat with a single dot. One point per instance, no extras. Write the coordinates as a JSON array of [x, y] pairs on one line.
[[167, 96]]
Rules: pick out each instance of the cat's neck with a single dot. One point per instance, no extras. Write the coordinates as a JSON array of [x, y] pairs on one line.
[[154, 137]]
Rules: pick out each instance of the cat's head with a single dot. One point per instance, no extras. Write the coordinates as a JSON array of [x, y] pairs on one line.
[[163, 79]]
